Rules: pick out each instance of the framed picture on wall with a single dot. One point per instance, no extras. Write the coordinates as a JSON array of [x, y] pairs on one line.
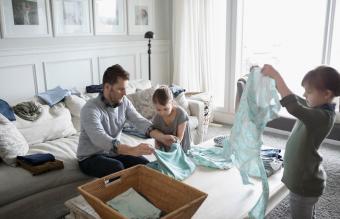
[[140, 16], [109, 17], [72, 17], [25, 18]]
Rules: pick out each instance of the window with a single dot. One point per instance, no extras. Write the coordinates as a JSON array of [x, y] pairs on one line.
[[218, 47], [285, 33], [335, 50]]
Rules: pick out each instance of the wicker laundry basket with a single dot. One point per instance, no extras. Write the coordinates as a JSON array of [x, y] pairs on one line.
[[174, 198]]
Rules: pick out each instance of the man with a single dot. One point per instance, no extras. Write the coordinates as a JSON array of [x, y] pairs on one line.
[[100, 152]]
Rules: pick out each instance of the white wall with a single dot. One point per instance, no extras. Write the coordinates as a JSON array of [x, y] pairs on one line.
[[32, 65]]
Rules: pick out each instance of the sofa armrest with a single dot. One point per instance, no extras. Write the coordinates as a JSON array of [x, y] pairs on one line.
[[197, 109]]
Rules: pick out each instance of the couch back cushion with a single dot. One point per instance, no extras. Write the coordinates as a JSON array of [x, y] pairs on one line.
[[12, 142], [74, 104], [142, 101], [54, 122]]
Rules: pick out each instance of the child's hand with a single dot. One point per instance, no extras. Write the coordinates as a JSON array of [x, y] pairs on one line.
[[168, 140], [269, 71]]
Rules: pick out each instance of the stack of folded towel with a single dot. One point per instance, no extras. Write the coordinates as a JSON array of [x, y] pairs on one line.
[[272, 160], [39, 163]]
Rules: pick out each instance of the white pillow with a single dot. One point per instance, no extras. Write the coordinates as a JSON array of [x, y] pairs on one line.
[[74, 104], [54, 122], [12, 142], [182, 101]]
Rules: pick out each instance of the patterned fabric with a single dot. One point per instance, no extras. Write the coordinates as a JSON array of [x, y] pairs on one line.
[[142, 101], [28, 110], [259, 104], [207, 100], [12, 142], [210, 157], [173, 163]]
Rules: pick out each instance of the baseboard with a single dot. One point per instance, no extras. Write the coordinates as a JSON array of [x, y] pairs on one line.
[[280, 126]]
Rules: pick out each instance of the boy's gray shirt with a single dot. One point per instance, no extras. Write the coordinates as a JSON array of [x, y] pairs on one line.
[[102, 123]]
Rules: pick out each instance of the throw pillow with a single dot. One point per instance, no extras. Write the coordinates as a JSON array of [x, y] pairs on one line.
[[182, 101], [12, 142], [54, 122], [74, 104], [142, 101]]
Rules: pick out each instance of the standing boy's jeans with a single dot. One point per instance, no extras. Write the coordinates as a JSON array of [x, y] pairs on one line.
[[100, 165], [302, 207]]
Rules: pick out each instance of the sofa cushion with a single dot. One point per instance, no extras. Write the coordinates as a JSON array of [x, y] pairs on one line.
[[54, 122], [142, 101], [193, 122], [182, 101], [18, 183], [12, 143], [135, 85]]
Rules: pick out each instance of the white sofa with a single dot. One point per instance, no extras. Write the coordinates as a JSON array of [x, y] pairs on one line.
[[25, 196]]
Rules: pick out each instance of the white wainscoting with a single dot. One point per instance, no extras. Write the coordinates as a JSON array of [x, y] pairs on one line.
[[26, 72]]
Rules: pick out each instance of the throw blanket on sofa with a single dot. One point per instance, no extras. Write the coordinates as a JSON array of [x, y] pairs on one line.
[[173, 163]]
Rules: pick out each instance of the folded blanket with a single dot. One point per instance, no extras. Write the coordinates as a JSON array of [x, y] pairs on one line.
[[36, 159], [27, 110], [94, 88], [6, 110], [134, 206], [54, 96], [43, 168], [176, 90]]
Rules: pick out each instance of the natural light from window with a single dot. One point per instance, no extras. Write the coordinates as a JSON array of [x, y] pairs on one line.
[[285, 33], [335, 55], [218, 54]]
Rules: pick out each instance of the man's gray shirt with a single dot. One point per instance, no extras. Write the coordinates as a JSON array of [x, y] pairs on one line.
[[101, 124]]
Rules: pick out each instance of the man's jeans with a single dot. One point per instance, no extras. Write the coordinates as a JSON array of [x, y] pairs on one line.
[[102, 165], [302, 207]]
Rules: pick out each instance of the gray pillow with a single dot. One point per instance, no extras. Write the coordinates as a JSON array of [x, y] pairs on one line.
[[142, 101]]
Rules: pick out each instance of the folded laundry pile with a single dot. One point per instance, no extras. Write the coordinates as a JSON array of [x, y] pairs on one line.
[[134, 206], [272, 160], [39, 163]]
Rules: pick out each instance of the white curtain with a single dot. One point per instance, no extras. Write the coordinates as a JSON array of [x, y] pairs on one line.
[[192, 44]]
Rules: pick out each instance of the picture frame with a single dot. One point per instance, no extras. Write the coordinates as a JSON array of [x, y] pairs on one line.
[[72, 17], [25, 18], [140, 16], [110, 17]]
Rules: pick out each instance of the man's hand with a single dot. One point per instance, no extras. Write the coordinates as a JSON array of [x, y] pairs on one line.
[[139, 150], [142, 149]]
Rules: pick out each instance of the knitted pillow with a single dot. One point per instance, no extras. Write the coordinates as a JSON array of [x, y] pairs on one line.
[[142, 101], [12, 142]]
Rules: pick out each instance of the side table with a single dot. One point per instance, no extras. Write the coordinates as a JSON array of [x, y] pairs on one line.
[[80, 209]]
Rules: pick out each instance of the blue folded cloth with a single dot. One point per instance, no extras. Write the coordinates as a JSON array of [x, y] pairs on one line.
[[176, 90], [6, 110], [36, 159], [94, 88], [54, 96]]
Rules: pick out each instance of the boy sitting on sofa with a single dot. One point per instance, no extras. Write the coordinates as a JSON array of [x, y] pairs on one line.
[[100, 152]]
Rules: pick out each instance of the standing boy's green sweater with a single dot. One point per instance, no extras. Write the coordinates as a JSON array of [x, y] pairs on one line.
[[303, 173]]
